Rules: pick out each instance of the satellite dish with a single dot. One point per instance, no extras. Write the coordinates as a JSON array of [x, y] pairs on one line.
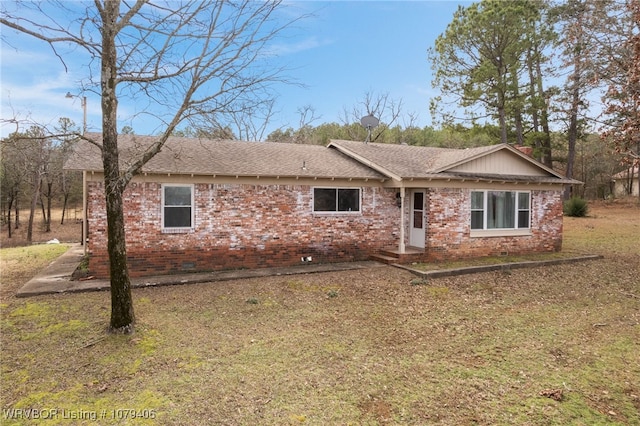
[[369, 122]]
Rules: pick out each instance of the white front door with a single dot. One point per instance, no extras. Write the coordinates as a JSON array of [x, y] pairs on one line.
[[417, 219]]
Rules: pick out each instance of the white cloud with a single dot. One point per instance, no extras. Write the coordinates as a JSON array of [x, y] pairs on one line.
[[310, 43]]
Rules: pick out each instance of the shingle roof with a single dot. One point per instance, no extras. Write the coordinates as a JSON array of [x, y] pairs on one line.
[[633, 171], [419, 162], [231, 158], [409, 161], [341, 159]]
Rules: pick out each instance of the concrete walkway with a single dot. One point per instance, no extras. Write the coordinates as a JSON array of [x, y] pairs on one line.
[[56, 278]]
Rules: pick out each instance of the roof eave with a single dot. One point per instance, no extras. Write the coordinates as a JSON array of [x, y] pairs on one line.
[[494, 179], [256, 176]]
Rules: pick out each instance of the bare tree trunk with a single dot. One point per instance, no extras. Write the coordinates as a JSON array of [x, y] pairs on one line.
[[572, 136], [517, 109], [34, 201], [540, 109], [122, 315], [17, 215], [503, 124], [44, 212], [64, 206], [535, 111], [10, 203], [65, 192], [49, 196], [547, 158]]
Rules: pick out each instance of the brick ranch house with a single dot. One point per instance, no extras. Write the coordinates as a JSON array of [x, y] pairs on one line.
[[203, 205]]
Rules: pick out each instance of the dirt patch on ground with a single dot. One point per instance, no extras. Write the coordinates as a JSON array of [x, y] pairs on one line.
[[69, 232], [354, 347]]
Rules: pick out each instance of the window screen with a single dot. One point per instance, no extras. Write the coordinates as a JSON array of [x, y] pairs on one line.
[[177, 206]]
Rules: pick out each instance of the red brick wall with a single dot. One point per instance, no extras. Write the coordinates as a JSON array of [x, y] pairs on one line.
[[256, 226], [449, 227], [241, 226]]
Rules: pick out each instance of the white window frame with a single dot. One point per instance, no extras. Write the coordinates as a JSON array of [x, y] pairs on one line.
[[177, 229], [335, 212], [490, 232]]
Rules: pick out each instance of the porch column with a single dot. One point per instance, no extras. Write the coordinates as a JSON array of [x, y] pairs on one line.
[[401, 246]]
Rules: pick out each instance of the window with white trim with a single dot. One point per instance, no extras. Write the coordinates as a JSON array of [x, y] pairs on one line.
[[500, 210], [336, 200], [177, 207]]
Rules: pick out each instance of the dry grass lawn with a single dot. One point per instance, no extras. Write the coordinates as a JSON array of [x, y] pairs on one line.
[[545, 346]]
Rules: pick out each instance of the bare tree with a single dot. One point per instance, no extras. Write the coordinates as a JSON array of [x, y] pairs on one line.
[[249, 123], [188, 59], [381, 106], [304, 134]]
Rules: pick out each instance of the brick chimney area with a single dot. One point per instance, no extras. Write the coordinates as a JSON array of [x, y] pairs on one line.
[[527, 150]]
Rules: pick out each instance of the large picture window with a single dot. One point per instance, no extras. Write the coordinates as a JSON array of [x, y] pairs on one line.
[[500, 210], [336, 200], [177, 206]]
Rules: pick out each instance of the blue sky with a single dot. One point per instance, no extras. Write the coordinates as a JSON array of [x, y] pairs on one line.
[[343, 51]]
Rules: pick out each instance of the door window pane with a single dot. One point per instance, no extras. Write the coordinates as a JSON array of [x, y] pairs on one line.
[[418, 206]]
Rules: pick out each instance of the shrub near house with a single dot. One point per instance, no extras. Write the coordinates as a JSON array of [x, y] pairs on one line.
[[208, 205]]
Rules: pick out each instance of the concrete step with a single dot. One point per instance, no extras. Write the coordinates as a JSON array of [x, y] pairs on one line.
[[384, 258], [392, 256]]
